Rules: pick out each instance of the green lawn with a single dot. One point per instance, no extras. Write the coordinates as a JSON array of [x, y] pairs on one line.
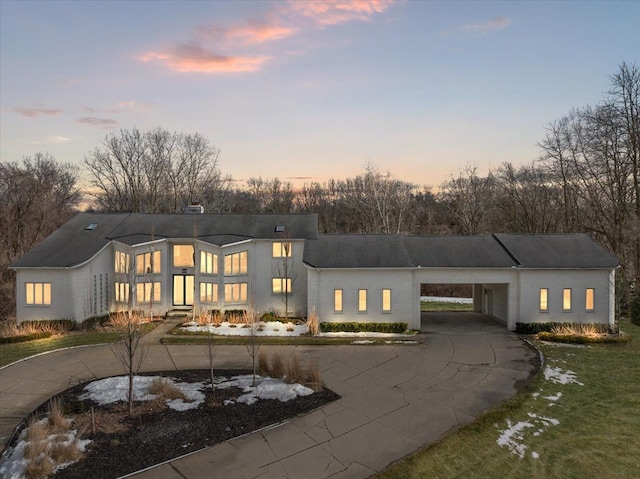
[[438, 306], [10, 353], [597, 434]]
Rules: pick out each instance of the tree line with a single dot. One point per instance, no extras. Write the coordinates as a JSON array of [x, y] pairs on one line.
[[586, 179]]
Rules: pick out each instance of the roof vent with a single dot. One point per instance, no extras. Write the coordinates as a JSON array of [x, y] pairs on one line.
[[91, 226], [194, 209], [279, 228]]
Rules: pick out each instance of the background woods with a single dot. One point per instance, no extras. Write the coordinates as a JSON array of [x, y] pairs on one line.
[[587, 179]]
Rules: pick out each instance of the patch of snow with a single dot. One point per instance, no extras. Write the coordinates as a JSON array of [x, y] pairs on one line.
[[362, 341], [271, 328], [265, 388], [401, 342], [512, 437], [440, 299], [535, 455], [553, 398], [559, 376], [361, 334]]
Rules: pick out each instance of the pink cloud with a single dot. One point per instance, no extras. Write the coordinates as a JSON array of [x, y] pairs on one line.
[[36, 112], [481, 28], [253, 32], [105, 123], [195, 59], [331, 12]]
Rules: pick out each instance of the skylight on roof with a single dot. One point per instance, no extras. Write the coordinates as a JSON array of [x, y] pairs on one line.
[[279, 228], [91, 226]]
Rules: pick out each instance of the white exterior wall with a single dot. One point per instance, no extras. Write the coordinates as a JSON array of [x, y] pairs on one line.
[[61, 298], [531, 281], [323, 282]]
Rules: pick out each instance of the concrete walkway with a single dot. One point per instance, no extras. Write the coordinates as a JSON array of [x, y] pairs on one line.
[[395, 399]]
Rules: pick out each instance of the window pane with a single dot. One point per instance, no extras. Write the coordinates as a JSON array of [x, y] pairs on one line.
[[46, 293], [362, 300], [386, 300], [277, 249], [227, 293], [157, 292], [589, 299], [243, 262], [276, 285], [30, 293], [140, 269], [337, 300], [140, 293], [157, 262], [38, 293], [544, 299], [566, 299], [183, 255], [227, 264]]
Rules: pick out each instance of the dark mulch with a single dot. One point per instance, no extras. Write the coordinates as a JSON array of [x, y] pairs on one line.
[[156, 433]]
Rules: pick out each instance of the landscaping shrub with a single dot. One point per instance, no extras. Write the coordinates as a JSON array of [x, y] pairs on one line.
[[57, 325], [582, 339], [353, 327], [25, 337], [535, 328], [95, 322]]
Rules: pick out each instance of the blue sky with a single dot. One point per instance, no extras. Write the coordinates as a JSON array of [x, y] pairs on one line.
[[308, 91]]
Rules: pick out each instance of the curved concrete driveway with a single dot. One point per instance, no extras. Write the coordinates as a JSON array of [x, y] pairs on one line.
[[395, 399]]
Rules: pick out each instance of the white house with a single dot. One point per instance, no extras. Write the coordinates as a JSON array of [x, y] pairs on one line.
[[97, 263]]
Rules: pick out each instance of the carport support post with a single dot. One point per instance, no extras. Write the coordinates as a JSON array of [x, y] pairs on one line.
[[478, 298]]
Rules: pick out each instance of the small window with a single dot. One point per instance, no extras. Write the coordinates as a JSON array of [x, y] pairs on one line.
[[235, 264], [544, 300], [282, 249], [235, 293], [386, 300], [148, 292], [208, 292], [183, 255], [121, 292], [566, 299], [91, 226], [121, 262], [279, 229], [337, 300], [362, 300], [590, 294], [280, 285], [208, 263], [38, 293], [148, 263]]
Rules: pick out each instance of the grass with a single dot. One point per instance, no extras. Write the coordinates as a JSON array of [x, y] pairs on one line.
[[438, 306], [10, 353], [597, 434]]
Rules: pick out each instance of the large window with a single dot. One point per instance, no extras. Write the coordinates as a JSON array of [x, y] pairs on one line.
[[147, 263], [235, 293], [148, 292], [386, 300], [362, 300], [208, 292], [566, 299], [337, 300], [235, 264], [544, 300], [183, 255], [122, 292], [121, 262], [280, 285], [208, 263], [38, 293], [589, 300], [282, 249]]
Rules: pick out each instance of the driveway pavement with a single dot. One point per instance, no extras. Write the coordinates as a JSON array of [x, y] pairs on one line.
[[395, 398]]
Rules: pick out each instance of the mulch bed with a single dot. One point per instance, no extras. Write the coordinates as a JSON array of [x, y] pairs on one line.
[[156, 433]]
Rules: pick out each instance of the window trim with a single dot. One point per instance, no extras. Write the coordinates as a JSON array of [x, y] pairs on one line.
[[152, 266], [544, 291], [242, 299], [204, 262], [204, 298], [121, 262], [233, 261], [145, 289]]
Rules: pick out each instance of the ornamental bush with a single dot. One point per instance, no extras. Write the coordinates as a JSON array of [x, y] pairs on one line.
[[353, 327]]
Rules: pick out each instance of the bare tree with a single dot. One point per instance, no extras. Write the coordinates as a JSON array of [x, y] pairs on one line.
[[284, 271], [253, 346]]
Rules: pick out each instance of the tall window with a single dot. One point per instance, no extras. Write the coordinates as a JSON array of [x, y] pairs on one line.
[[544, 300], [208, 292], [589, 303], [235, 264], [183, 255], [146, 292], [148, 263], [122, 292], [38, 293], [235, 293], [208, 263], [566, 299], [337, 300], [281, 249], [386, 300], [280, 285], [362, 300], [121, 262]]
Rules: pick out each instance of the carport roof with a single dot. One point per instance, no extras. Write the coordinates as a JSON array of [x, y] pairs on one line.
[[570, 251]]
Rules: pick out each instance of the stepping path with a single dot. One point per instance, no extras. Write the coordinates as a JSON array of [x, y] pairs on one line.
[[395, 398]]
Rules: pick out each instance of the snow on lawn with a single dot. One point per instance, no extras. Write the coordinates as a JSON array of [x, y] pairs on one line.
[[271, 328], [514, 436], [14, 464], [439, 299]]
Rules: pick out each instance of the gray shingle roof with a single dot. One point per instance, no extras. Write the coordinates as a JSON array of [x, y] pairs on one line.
[[71, 244], [497, 251]]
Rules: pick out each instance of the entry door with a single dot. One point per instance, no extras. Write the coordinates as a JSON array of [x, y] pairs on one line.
[[488, 302], [183, 289]]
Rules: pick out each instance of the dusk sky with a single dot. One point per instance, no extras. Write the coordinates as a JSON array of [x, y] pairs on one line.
[[308, 91]]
